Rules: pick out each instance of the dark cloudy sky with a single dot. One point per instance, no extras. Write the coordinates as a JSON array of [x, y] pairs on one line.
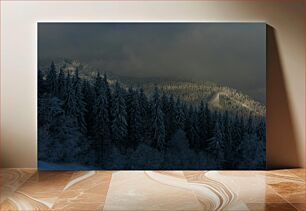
[[231, 54]]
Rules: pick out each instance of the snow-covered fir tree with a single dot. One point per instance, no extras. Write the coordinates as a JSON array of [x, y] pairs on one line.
[[158, 127], [51, 79], [119, 118], [179, 114], [102, 123], [61, 85], [134, 119]]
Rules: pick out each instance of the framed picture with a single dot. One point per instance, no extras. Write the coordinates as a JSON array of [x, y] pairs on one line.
[[151, 95]]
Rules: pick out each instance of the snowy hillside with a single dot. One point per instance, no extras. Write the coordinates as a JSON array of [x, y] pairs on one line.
[[218, 97], [123, 123]]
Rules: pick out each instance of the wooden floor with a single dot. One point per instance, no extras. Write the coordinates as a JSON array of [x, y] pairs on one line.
[[29, 189]]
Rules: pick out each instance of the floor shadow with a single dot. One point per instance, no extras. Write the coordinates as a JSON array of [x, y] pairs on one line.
[[281, 140]]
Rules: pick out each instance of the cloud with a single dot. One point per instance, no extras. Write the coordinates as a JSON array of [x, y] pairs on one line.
[[231, 54]]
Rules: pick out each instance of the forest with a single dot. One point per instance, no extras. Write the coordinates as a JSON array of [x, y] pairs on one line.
[[103, 125]]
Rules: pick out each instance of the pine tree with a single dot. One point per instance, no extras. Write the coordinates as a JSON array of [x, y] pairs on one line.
[[144, 112], [205, 122], [178, 154], [62, 135], [227, 140], [98, 83], [250, 124], [67, 81], [164, 103], [74, 105], [53, 124], [70, 102], [51, 80], [190, 129], [168, 113], [40, 83], [77, 74], [74, 113], [88, 91], [171, 118], [133, 118], [79, 99], [237, 135], [201, 125], [179, 114], [61, 86], [253, 146], [261, 144], [143, 101], [216, 145], [119, 118], [261, 130], [209, 122], [158, 128], [108, 94], [101, 124], [44, 144], [73, 140]]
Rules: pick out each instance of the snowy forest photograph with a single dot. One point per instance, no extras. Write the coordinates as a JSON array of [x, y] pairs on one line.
[[151, 96]]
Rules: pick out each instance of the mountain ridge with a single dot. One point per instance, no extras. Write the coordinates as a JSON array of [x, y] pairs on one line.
[[217, 97]]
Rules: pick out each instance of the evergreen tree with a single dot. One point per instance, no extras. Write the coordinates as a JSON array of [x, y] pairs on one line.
[[206, 123], [101, 125], [253, 148], [144, 112], [119, 118], [51, 80], [90, 100], [261, 144], [54, 138], [40, 83], [170, 118], [261, 130], [61, 86], [79, 99], [108, 94], [44, 144], [201, 125], [70, 102], [209, 122], [215, 145], [168, 114], [178, 154], [98, 83], [237, 135], [67, 82], [74, 104], [60, 134], [190, 129], [158, 128], [79, 120], [250, 125], [227, 140], [133, 118], [73, 140], [179, 114]]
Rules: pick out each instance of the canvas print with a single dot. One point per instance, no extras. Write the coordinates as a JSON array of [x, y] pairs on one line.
[[145, 96]]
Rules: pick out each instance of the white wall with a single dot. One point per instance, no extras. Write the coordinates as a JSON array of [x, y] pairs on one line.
[[19, 51]]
